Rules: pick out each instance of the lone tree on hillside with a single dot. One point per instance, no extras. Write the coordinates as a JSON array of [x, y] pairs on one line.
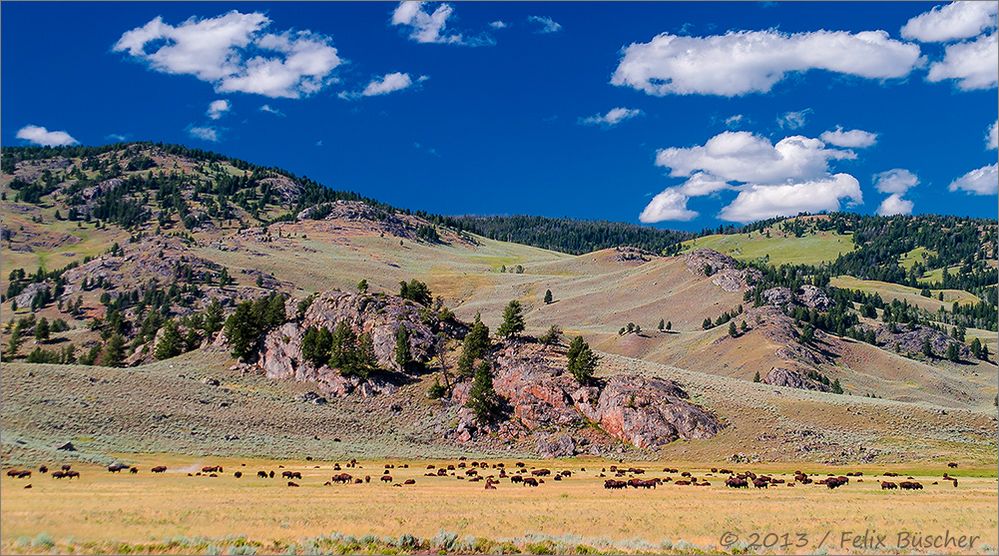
[[953, 354], [927, 348], [473, 347], [662, 325], [756, 377], [416, 291], [513, 320], [482, 398], [582, 361], [42, 330], [732, 330], [669, 326], [402, 355], [362, 286], [548, 297]]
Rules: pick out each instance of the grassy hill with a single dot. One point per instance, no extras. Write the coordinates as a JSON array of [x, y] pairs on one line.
[[811, 249], [193, 226]]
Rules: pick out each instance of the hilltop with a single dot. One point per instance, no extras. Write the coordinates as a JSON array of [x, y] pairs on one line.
[[860, 330]]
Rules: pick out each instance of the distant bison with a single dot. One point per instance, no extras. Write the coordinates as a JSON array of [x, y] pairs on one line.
[[386, 478], [292, 484], [238, 474], [910, 485], [262, 474], [159, 469], [409, 482], [888, 485], [530, 481], [735, 482]]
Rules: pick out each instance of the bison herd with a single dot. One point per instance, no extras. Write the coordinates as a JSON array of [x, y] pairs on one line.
[[520, 474]]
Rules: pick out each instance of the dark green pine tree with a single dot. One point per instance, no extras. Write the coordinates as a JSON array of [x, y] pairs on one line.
[[402, 353], [482, 397], [548, 297], [732, 331], [513, 320], [662, 325], [756, 377], [170, 342], [473, 347], [582, 361]]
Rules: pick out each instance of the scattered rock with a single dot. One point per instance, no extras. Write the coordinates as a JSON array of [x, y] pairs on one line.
[[725, 272], [779, 376]]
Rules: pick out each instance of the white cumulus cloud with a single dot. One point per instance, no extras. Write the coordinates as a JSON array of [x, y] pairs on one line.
[[982, 181], [745, 157], [744, 62], [992, 137], [953, 21], [218, 108], [39, 135], [794, 119], [854, 138], [974, 64], [498, 24], [235, 54], [897, 180], [895, 204], [758, 202], [671, 204], [613, 117], [205, 133], [431, 27]]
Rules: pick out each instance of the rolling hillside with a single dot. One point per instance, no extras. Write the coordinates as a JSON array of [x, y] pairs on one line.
[[136, 237]]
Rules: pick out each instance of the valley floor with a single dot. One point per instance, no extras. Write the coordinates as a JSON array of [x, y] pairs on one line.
[[176, 513]]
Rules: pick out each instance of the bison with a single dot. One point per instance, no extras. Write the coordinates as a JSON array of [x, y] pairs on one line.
[[238, 474], [760, 483], [736, 482], [292, 484], [386, 478], [159, 469], [835, 482], [262, 474], [409, 482], [531, 481], [910, 485]]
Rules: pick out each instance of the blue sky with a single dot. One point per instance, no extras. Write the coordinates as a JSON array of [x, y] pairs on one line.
[[679, 115]]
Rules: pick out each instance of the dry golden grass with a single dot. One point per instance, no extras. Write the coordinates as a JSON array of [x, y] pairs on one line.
[[102, 509]]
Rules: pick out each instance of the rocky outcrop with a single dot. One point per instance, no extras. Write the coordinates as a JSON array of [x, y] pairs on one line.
[[910, 339], [790, 378], [379, 316], [808, 296], [30, 291], [725, 272], [779, 329], [649, 412], [541, 397]]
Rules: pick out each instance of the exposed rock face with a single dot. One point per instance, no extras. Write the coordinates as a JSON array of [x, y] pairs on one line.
[[556, 446], [793, 379], [814, 297], [646, 412], [26, 296], [809, 296], [284, 187], [649, 412], [910, 341], [380, 316], [723, 270]]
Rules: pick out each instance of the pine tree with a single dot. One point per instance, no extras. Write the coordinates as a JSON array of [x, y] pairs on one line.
[[362, 286], [170, 342], [836, 388], [513, 320], [706, 324], [42, 330], [551, 337], [952, 353], [548, 297], [756, 377], [743, 328], [242, 331], [976, 348], [669, 326], [113, 354], [474, 347], [482, 398], [402, 354], [582, 361], [927, 348], [15, 341], [343, 347], [985, 352], [662, 325], [213, 317], [732, 330]]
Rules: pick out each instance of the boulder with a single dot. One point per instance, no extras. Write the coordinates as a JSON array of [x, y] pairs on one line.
[[649, 412], [909, 339], [814, 297]]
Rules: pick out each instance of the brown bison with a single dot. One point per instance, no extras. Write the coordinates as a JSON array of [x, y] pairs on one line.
[[116, 467], [910, 485], [835, 482], [292, 484], [159, 469], [736, 482], [262, 474], [888, 485], [952, 465], [43, 469], [344, 478], [386, 478], [409, 482], [238, 474], [760, 483], [291, 475], [615, 484], [531, 481], [516, 479], [541, 472]]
